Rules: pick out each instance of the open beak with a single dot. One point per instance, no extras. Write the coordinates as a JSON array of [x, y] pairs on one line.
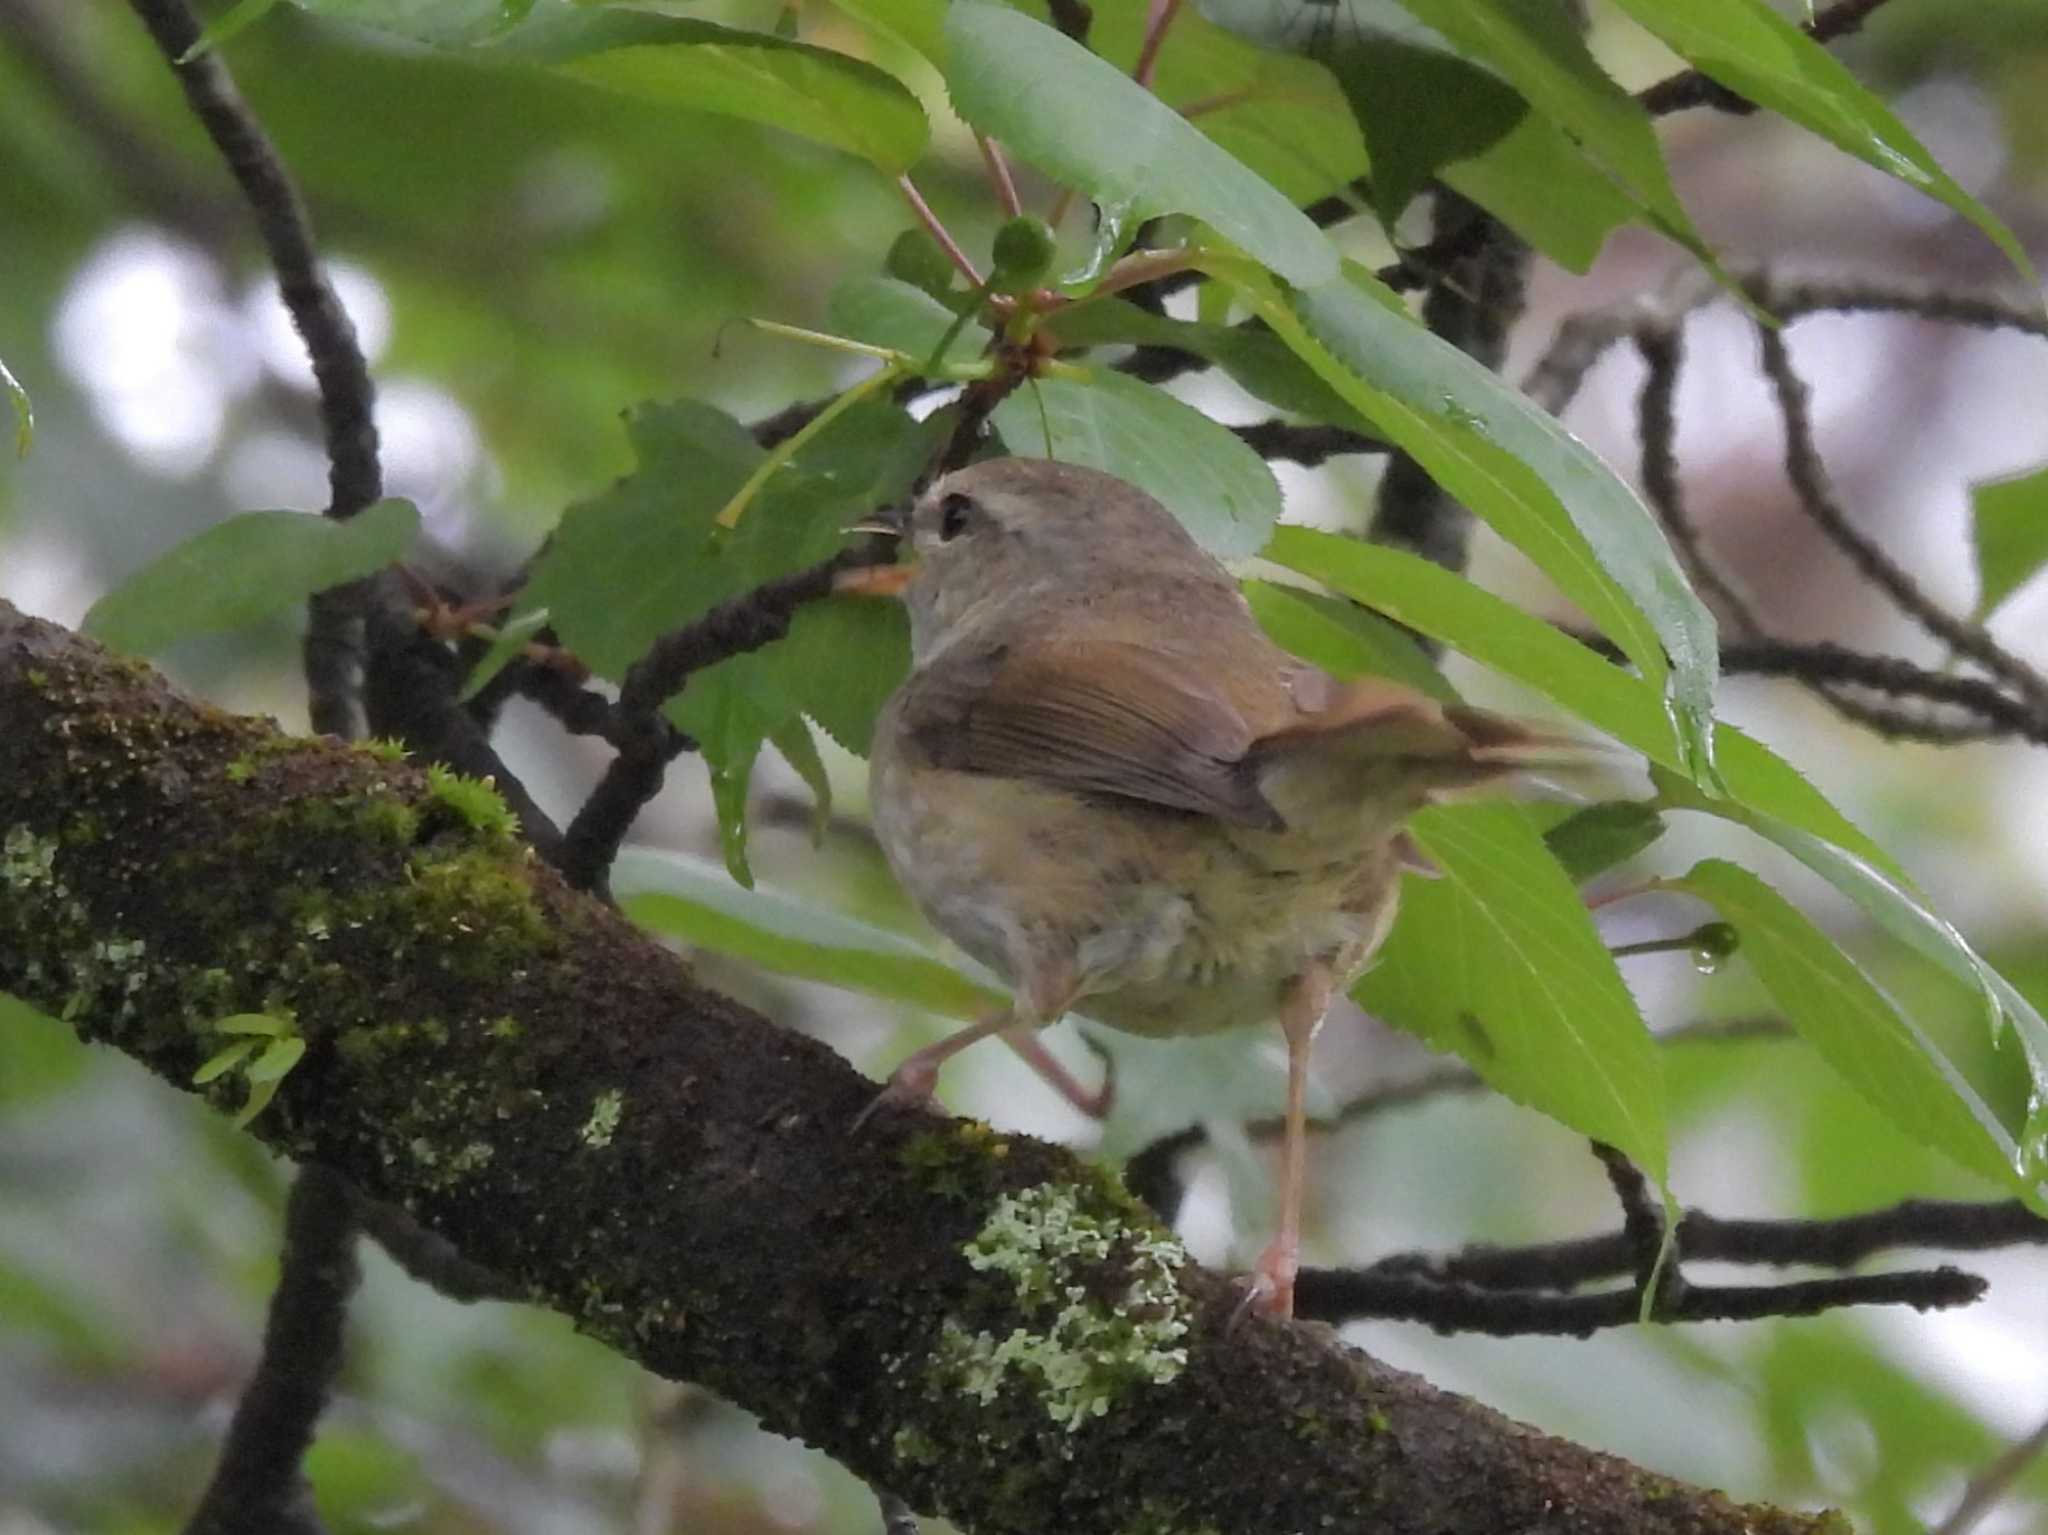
[[875, 580]]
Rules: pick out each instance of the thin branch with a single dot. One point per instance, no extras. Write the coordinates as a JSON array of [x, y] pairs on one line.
[[1691, 88], [999, 175], [1642, 1227], [1306, 443], [333, 648], [429, 1257], [1808, 476], [938, 231], [1993, 1482], [257, 1485], [1158, 18]]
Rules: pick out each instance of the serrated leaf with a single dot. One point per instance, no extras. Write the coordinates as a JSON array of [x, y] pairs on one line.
[[1084, 121], [2009, 526], [1342, 637], [1591, 841], [1220, 490], [846, 655], [1517, 469], [883, 311], [224, 1060], [687, 898], [792, 738], [1533, 999], [1753, 50], [24, 412], [829, 97], [1535, 46], [1853, 1025], [242, 571], [920, 24]]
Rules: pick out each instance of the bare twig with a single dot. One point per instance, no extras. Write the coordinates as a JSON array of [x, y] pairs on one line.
[[1157, 20], [938, 231], [1306, 443], [333, 649], [1993, 1482], [257, 1485]]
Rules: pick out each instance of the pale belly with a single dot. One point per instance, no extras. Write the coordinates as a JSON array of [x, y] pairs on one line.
[[1152, 922]]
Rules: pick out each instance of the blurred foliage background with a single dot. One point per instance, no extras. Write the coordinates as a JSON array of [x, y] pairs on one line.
[[527, 259]]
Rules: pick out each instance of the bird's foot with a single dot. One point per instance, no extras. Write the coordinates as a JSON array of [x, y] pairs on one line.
[[910, 1086], [1269, 1287]]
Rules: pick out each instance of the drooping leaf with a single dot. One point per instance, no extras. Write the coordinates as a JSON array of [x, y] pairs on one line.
[[1753, 50], [1084, 121], [1535, 46], [2009, 524], [242, 571], [1853, 1025], [1591, 841], [686, 898], [1221, 490], [1515, 467], [1532, 998], [823, 95], [792, 738]]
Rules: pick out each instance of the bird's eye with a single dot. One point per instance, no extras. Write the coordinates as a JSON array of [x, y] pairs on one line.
[[953, 514]]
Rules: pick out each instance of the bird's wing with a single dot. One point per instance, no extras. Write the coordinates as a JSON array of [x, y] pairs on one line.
[[1094, 714]]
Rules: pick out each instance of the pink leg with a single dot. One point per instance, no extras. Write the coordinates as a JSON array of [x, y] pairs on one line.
[[1092, 1102], [910, 1084], [1272, 1277]]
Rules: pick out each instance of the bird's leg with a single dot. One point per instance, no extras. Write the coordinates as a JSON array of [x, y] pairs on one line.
[[1094, 1102], [1301, 1013], [910, 1085]]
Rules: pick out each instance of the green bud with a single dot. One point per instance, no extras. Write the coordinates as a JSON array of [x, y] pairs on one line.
[[1024, 253], [915, 258]]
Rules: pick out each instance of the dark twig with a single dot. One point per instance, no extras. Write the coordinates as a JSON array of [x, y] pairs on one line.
[[898, 1517], [1329, 1295], [1690, 88], [1308, 443], [429, 1258], [1993, 1482], [1642, 1227], [257, 1485], [333, 649], [1808, 476]]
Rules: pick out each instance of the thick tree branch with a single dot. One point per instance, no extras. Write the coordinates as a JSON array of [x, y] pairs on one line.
[[550, 1091]]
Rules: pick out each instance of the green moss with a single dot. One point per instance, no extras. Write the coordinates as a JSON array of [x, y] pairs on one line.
[[474, 801], [957, 1161], [382, 749], [604, 1118], [1107, 1312], [914, 1447]]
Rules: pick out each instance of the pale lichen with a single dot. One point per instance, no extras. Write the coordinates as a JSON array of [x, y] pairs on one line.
[[1091, 1341], [604, 1118]]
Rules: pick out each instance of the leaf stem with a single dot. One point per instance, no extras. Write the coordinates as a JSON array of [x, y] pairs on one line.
[[729, 514], [1157, 20], [937, 230], [999, 175]]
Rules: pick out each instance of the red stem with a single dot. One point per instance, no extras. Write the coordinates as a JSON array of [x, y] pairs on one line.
[[938, 231], [1156, 22], [999, 174]]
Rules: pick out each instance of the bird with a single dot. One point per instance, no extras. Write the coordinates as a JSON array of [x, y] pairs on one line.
[[1103, 781]]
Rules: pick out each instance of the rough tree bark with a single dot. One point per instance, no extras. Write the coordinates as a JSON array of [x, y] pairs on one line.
[[975, 1320]]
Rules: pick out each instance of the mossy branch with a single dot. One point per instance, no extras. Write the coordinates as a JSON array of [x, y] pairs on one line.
[[977, 1321]]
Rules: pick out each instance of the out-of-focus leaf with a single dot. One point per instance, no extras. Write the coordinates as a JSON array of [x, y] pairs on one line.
[[1854, 1026], [919, 23], [24, 411], [1221, 491], [792, 738], [237, 19], [686, 898], [1535, 46], [511, 639], [1518, 469], [885, 312], [75, 1323], [1751, 49], [437, 23], [1084, 121], [1534, 180], [243, 570], [38, 1054], [1591, 841], [1533, 999], [1342, 637], [2009, 521], [830, 97]]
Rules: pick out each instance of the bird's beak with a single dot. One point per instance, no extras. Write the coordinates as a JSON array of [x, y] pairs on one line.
[[875, 580]]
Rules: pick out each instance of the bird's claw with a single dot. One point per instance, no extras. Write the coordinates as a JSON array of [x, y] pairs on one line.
[[910, 1086]]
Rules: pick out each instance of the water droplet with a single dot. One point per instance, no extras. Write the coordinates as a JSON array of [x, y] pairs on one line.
[[1460, 414], [1711, 946]]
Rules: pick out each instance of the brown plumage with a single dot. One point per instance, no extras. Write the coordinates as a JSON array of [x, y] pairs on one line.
[[1106, 783]]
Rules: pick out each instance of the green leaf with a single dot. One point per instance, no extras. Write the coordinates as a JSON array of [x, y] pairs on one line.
[[920, 24], [436, 23], [24, 412], [1535, 180], [1853, 1025], [1221, 491], [1342, 637], [511, 639], [792, 738], [278, 1058], [2009, 523], [244, 570], [260, 1094], [1535, 46], [846, 655], [825, 96], [237, 19], [1083, 121], [686, 898], [1516, 468], [1591, 841], [1258, 361], [224, 1060], [1751, 49], [251, 1023], [885, 312], [1533, 1000]]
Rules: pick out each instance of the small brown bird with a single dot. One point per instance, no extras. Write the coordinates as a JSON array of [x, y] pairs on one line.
[[1105, 783]]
